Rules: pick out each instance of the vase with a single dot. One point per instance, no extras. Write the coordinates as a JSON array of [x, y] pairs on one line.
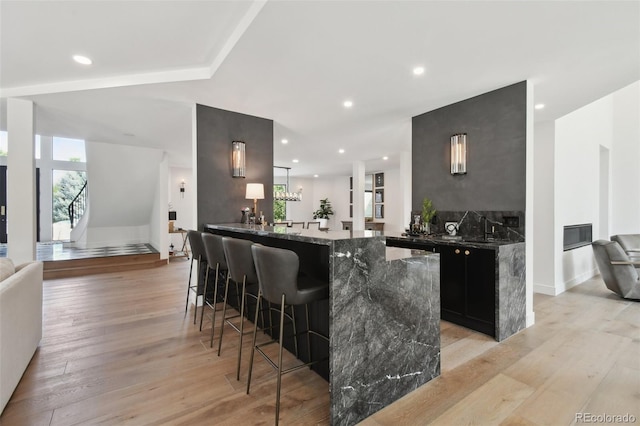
[[426, 228]]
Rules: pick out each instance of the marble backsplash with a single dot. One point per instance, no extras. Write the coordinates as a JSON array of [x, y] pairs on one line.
[[471, 224]]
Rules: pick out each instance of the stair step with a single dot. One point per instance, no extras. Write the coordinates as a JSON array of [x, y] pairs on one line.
[[101, 265]]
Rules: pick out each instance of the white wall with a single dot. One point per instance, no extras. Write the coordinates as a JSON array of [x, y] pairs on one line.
[[21, 181], [123, 181], [183, 204], [578, 138], [606, 127], [158, 235], [393, 202], [544, 258], [625, 161]]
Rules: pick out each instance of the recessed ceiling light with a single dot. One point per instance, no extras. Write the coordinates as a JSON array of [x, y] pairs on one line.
[[418, 70], [82, 60], [347, 104], [284, 141], [539, 106], [315, 175], [295, 160], [385, 158], [341, 151]]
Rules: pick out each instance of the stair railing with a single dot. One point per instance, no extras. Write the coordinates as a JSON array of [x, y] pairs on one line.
[[78, 205]]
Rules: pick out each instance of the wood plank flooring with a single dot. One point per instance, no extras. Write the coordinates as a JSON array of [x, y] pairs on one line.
[[118, 349]]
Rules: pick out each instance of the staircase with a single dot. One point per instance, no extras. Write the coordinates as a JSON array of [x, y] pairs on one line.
[[100, 265], [78, 205], [77, 260]]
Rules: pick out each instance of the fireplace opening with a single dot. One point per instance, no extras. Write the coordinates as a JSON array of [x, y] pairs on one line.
[[577, 236]]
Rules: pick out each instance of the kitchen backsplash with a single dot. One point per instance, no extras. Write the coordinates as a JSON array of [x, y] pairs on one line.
[[503, 225]]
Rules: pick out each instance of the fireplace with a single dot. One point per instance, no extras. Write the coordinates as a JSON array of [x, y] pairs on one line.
[[577, 236]]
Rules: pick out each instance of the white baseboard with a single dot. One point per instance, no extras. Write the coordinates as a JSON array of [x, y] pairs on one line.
[[547, 289], [551, 290], [579, 279]]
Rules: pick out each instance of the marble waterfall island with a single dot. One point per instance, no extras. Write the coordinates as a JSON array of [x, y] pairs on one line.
[[383, 312]]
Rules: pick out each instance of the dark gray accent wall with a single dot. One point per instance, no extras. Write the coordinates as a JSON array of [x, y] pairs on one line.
[[220, 196], [495, 124]]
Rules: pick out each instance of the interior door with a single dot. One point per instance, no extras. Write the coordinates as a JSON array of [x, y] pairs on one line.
[[3, 204]]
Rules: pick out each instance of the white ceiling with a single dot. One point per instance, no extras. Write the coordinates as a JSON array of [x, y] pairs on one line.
[[296, 61]]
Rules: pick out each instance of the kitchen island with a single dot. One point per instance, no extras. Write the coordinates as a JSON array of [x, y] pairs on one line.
[[482, 281], [383, 312]]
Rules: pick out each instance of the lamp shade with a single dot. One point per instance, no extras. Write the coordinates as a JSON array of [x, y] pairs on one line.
[[255, 191]]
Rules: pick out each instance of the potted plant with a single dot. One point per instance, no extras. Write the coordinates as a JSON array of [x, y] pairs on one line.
[[428, 212], [323, 213]]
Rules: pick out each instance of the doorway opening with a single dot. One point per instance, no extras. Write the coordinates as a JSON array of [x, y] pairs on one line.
[[67, 184]]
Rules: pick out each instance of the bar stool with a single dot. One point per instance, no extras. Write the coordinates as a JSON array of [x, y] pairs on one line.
[[297, 225], [198, 254], [277, 271], [240, 268], [313, 225], [215, 256]]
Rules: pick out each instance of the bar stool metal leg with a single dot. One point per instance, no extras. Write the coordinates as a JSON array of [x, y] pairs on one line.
[[280, 348], [204, 300], [253, 340], [186, 305], [242, 303], [224, 313], [215, 301]]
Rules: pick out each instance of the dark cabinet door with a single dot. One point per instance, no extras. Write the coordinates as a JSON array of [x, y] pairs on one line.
[[452, 283], [481, 287], [467, 287]]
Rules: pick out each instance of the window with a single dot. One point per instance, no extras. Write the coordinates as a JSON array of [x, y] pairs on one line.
[[69, 150], [4, 146], [67, 185], [279, 207]]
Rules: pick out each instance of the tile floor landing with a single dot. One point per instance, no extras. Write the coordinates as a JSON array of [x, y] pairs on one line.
[[56, 251]]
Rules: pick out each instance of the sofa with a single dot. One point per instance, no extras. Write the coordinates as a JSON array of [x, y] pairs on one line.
[[20, 322], [617, 270], [630, 243]]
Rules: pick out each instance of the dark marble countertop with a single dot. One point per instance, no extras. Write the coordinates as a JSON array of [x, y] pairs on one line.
[[314, 236], [462, 241]]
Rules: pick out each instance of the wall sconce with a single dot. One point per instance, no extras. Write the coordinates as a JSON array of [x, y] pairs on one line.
[[459, 154], [237, 159], [182, 189], [255, 191]]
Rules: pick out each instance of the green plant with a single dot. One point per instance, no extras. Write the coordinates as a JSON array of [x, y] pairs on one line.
[[324, 211], [428, 212], [279, 206]]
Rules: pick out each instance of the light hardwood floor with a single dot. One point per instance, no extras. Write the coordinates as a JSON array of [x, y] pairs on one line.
[[117, 349]]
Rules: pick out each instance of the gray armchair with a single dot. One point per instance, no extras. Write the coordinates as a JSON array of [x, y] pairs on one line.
[[630, 243], [617, 271]]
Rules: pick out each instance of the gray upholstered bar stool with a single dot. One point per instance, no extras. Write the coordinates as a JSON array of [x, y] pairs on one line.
[[277, 271], [241, 270], [215, 256], [198, 254]]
